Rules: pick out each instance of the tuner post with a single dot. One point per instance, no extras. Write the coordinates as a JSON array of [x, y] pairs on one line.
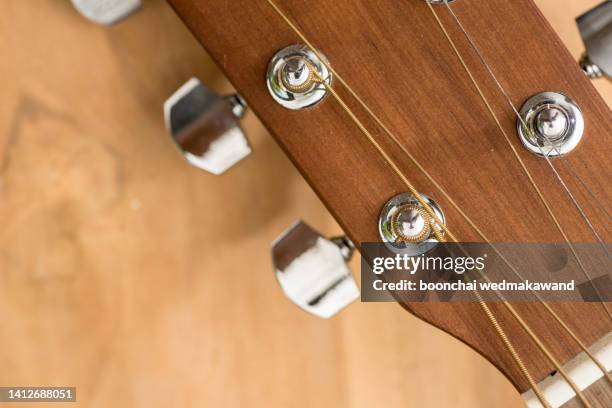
[[550, 124], [406, 226], [297, 78]]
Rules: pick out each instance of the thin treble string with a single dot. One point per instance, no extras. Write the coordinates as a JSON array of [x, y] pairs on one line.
[[524, 125], [485, 307], [487, 310], [514, 313], [579, 207], [524, 167], [595, 199], [587, 188], [583, 214], [514, 151], [549, 309], [395, 139], [509, 100], [386, 130], [372, 140]]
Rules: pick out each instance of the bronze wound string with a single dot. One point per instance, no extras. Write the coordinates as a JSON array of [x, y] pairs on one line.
[[488, 312], [399, 173], [532, 181], [520, 160], [557, 175]]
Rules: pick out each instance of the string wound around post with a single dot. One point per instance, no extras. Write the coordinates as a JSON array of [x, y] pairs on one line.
[[297, 77], [406, 227]]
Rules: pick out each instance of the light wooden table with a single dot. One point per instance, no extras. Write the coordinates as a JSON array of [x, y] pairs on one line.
[[147, 283]]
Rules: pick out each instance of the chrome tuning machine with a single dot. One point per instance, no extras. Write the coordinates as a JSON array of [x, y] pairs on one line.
[[596, 30], [206, 127], [551, 124], [297, 77], [406, 227], [312, 270], [106, 12]]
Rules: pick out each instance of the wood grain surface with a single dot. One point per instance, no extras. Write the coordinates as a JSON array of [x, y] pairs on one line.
[[144, 282], [398, 60]]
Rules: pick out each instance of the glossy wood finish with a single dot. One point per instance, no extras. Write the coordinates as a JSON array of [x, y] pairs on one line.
[[397, 59], [113, 268]]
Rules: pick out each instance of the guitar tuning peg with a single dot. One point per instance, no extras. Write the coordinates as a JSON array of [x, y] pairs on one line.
[[312, 270], [106, 12], [596, 30], [206, 128]]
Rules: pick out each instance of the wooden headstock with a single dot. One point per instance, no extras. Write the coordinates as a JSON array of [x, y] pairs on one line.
[[396, 58]]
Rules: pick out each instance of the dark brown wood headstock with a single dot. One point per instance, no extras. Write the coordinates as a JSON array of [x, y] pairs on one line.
[[397, 59]]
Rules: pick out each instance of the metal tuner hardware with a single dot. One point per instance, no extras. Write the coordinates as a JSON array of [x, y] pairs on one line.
[[106, 12], [596, 30], [296, 77], [407, 227], [312, 270], [206, 128], [550, 124]]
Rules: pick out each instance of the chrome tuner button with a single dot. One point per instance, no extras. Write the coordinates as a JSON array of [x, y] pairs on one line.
[[406, 227], [294, 77], [106, 12], [205, 127], [312, 270], [596, 31], [551, 124]]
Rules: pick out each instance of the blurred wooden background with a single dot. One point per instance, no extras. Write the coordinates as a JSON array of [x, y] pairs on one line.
[[147, 283]]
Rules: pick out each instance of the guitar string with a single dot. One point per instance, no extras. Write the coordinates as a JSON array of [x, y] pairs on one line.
[[549, 309], [534, 337], [390, 162], [581, 345], [520, 160], [515, 152], [555, 316], [587, 188], [540, 346], [574, 173], [488, 312], [586, 219], [583, 214], [482, 303], [577, 204], [579, 207], [512, 310]]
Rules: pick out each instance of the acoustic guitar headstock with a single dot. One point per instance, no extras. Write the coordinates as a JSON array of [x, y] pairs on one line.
[[470, 115]]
